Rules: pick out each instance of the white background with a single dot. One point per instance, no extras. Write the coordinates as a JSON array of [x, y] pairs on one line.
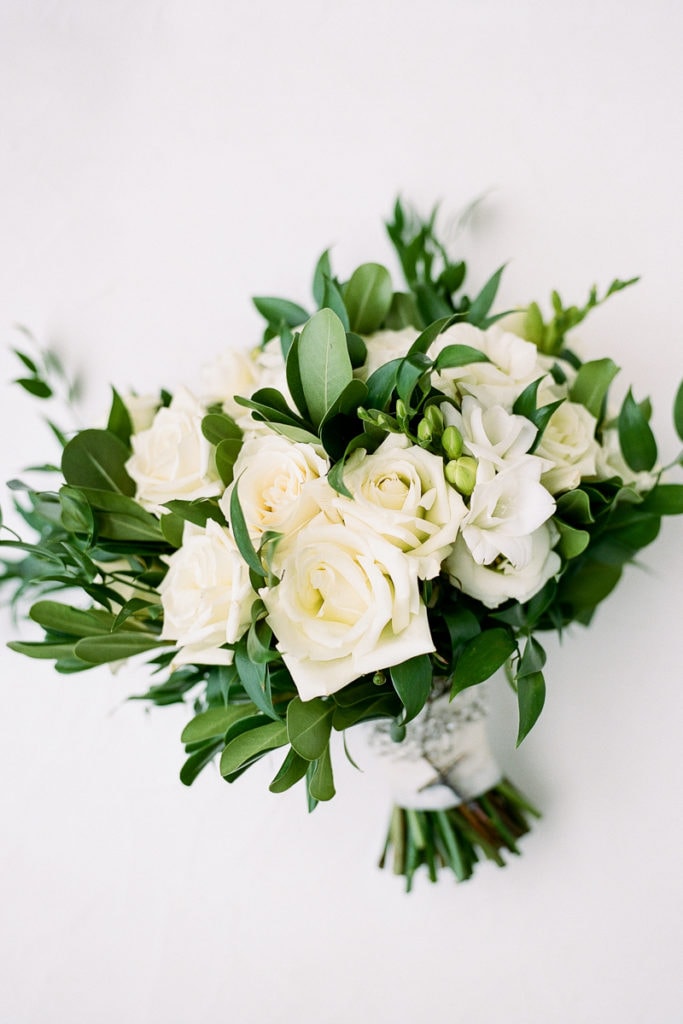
[[161, 162]]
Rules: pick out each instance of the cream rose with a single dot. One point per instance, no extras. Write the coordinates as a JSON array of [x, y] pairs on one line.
[[400, 493], [512, 365], [494, 584], [206, 595], [173, 459], [142, 409], [383, 346], [348, 604], [231, 373], [270, 474], [569, 445]]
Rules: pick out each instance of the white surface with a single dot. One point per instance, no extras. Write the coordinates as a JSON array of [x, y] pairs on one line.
[[161, 162]]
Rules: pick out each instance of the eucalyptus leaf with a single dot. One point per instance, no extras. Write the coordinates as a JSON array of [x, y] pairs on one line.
[[277, 311], [250, 745], [367, 297], [482, 303], [97, 459], [324, 362], [321, 784], [119, 422], [309, 724], [292, 769], [678, 411], [214, 722], [218, 426]]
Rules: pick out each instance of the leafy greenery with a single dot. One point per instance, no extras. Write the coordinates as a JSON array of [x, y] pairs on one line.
[[96, 548]]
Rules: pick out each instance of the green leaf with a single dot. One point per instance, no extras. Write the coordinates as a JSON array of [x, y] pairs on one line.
[[77, 516], [678, 411], [294, 384], [324, 362], [592, 384], [99, 650], [61, 618], [241, 534], [423, 341], [484, 300], [39, 649], [277, 311], [255, 680], [637, 441], [334, 300], [481, 657], [402, 313], [459, 355], [250, 745], [293, 768], [323, 270], [119, 422], [575, 507], [126, 520], [358, 350], [321, 784], [664, 500], [218, 426], [226, 456], [35, 386], [533, 659], [381, 384], [367, 297], [530, 700], [97, 459], [412, 680], [198, 511], [309, 724], [214, 722], [172, 527], [572, 542], [198, 761]]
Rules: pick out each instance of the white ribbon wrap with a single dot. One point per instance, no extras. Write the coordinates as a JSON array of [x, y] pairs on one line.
[[445, 757]]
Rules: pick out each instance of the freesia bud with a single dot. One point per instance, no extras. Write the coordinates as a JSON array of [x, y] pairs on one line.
[[452, 442], [462, 474], [424, 432], [434, 417]]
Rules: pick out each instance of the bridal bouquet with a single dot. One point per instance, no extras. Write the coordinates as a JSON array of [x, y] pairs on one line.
[[351, 527]]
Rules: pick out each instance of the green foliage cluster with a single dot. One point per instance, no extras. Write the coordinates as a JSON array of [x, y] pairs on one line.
[[92, 538]]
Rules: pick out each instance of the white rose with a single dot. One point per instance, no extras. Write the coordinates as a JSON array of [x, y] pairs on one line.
[[383, 346], [173, 459], [348, 604], [206, 595], [513, 364], [505, 509], [492, 434], [400, 493], [494, 584], [569, 444], [142, 409], [230, 374], [270, 473]]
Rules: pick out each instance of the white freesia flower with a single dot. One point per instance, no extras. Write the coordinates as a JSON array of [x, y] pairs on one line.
[[505, 509], [494, 584], [400, 493], [229, 374], [512, 365], [348, 604], [494, 434], [270, 473], [569, 445], [173, 459], [383, 346], [206, 595]]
